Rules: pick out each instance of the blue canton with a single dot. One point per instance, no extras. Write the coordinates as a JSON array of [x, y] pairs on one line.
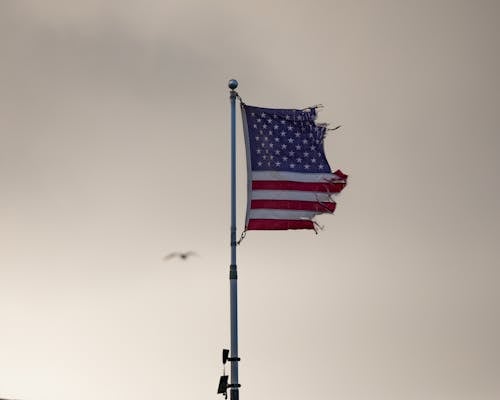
[[285, 140]]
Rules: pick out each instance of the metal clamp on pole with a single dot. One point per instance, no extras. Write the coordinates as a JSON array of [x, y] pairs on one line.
[[226, 358], [233, 273], [223, 386]]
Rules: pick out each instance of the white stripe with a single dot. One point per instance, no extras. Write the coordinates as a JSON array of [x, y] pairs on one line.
[[292, 176], [281, 214], [291, 195]]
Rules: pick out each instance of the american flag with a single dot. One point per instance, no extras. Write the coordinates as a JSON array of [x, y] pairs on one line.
[[289, 178]]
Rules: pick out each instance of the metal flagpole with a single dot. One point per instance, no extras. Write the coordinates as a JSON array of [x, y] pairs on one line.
[[233, 275]]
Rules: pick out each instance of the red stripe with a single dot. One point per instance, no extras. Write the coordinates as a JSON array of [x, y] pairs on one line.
[[302, 186], [278, 224], [293, 205], [340, 174]]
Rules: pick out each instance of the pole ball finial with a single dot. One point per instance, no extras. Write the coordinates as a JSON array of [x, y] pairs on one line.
[[233, 84]]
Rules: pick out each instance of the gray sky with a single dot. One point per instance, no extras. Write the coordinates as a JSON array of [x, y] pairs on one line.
[[114, 150]]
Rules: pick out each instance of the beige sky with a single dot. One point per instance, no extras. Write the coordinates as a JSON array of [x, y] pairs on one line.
[[114, 150]]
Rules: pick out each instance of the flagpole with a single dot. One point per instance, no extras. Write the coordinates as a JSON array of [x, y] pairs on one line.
[[233, 275]]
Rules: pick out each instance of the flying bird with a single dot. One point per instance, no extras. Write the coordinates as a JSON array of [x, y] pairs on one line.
[[182, 256]]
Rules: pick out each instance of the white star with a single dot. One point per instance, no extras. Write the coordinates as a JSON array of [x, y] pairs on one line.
[[277, 163], [292, 165], [263, 115], [259, 164], [290, 128], [290, 140], [297, 134], [284, 158], [275, 126], [258, 151], [320, 166], [298, 147], [313, 160], [283, 146], [306, 166], [283, 133], [305, 141], [306, 154], [291, 153], [299, 160]]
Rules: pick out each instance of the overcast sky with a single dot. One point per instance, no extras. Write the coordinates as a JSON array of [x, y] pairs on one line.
[[114, 151]]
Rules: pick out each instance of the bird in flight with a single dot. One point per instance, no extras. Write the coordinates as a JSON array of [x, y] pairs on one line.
[[182, 256]]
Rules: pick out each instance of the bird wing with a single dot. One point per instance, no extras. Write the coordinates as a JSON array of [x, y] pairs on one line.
[[171, 255]]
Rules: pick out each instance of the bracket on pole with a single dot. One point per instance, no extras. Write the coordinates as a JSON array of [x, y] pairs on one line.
[[223, 385], [223, 381]]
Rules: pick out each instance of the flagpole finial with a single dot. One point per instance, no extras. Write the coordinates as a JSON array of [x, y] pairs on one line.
[[233, 84]]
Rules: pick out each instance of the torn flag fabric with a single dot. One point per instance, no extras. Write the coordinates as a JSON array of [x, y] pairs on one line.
[[289, 178]]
